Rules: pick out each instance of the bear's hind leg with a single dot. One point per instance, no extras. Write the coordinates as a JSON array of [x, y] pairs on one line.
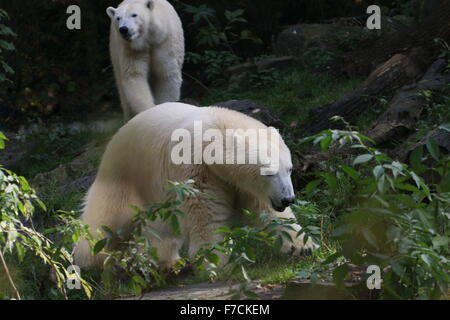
[[106, 205]]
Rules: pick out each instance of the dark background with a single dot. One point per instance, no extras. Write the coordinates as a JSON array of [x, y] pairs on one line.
[[67, 72]]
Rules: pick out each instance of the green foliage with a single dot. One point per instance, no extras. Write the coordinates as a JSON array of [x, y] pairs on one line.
[[318, 57], [221, 34], [211, 32], [137, 261], [437, 109], [264, 78], [49, 146], [393, 218], [18, 234], [212, 64], [291, 94]]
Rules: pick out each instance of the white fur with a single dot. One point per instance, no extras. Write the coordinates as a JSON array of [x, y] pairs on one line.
[[148, 66], [137, 165]]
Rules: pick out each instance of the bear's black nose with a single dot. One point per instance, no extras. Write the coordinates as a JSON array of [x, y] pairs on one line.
[[123, 30], [287, 201]]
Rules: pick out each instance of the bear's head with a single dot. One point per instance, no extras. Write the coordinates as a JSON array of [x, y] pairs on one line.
[[133, 20], [262, 167]]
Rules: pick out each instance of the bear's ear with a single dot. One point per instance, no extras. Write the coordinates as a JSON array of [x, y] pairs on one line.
[[150, 4], [111, 12]]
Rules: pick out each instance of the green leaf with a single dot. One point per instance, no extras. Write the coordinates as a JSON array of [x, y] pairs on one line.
[[445, 127], [331, 180], [332, 258], [440, 241], [362, 159], [175, 225], [416, 158], [445, 184], [433, 148], [370, 237], [99, 245], [351, 172], [2, 140], [325, 143], [223, 229], [341, 230], [426, 258], [378, 171], [381, 184], [213, 258], [416, 179], [339, 275], [310, 187]]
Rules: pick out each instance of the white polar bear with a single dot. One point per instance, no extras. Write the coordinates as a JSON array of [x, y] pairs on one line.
[[141, 159], [147, 53]]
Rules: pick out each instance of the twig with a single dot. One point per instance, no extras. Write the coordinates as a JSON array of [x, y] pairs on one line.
[[9, 276], [197, 81]]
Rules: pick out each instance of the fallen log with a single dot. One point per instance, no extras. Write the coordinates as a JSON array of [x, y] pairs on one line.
[[384, 81], [398, 123], [399, 120]]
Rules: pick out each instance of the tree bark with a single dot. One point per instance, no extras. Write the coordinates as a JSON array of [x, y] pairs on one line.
[[395, 73], [406, 107]]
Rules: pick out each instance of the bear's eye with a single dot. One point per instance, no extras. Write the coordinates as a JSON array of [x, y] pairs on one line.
[[118, 18], [134, 15]]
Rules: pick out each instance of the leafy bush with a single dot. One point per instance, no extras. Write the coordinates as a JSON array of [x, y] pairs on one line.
[[18, 234], [212, 64], [212, 32], [393, 218], [222, 34], [317, 57]]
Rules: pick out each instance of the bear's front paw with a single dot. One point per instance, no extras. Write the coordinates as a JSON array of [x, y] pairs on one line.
[[298, 247]]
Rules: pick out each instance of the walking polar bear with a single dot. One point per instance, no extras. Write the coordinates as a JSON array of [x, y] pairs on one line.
[[146, 153], [147, 53]]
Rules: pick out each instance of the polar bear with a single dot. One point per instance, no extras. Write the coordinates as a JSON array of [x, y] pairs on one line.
[[147, 53], [146, 153]]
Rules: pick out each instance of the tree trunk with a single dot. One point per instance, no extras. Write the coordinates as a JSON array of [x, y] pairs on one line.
[[395, 73], [407, 105]]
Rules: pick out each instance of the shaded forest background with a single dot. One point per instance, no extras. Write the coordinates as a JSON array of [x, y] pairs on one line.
[[308, 67], [63, 72]]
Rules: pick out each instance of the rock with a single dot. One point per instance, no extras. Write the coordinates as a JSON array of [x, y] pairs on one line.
[[254, 110], [79, 185], [14, 151], [305, 290], [67, 176], [290, 42], [293, 290], [237, 73], [210, 291]]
